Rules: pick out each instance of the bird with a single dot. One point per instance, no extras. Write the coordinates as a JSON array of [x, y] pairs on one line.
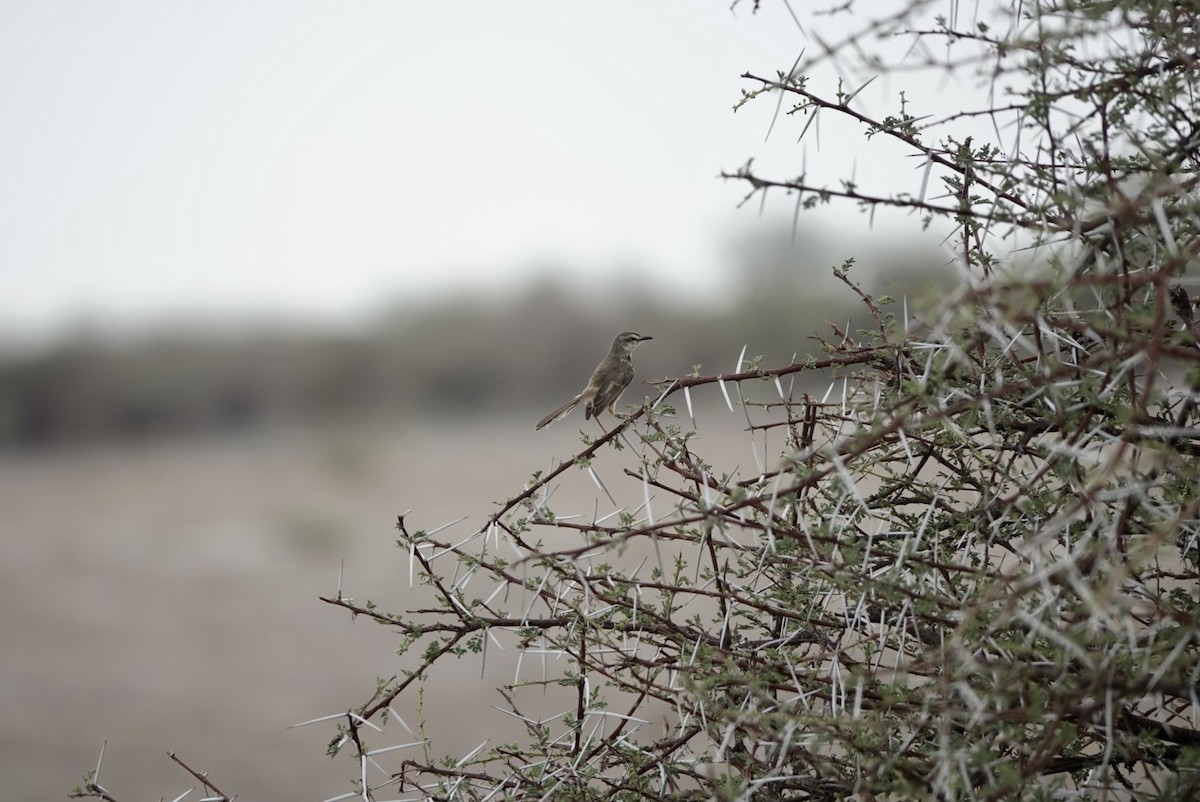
[[609, 380]]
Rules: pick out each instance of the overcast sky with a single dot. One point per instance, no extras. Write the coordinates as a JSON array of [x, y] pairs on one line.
[[168, 158]]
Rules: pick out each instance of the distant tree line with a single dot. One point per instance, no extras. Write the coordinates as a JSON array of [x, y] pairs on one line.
[[454, 356]]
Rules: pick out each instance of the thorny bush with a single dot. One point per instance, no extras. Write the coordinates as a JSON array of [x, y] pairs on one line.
[[973, 573]]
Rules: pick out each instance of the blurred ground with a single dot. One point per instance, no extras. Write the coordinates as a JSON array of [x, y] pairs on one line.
[[163, 596]]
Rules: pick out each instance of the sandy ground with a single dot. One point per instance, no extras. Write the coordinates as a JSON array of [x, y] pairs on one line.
[[164, 597]]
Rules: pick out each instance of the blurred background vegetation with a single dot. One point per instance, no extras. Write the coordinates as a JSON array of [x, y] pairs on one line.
[[471, 353]]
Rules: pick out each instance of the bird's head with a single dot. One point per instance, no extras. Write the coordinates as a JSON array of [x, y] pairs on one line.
[[626, 341]]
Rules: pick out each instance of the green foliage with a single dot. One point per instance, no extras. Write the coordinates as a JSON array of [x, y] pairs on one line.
[[974, 577]]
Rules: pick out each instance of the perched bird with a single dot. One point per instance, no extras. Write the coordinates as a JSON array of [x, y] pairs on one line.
[[611, 377]]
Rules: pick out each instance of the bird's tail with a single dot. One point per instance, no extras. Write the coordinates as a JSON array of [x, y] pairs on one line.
[[561, 412]]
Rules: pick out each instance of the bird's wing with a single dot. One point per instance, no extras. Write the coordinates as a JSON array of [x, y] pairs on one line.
[[606, 395]]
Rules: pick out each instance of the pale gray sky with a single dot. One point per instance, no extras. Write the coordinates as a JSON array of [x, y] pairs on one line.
[[162, 159]]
